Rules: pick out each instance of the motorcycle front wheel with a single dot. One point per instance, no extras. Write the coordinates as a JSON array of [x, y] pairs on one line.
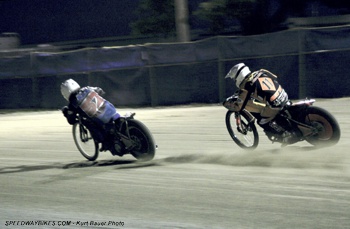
[[242, 129], [85, 143]]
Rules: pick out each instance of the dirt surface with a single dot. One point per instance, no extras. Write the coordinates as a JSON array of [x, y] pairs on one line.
[[199, 178]]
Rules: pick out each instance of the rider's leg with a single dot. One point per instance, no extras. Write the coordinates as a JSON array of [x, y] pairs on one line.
[[277, 128], [272, 130]]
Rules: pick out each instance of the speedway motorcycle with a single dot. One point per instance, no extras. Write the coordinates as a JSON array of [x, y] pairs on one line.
[[129, 137], [313, 124]]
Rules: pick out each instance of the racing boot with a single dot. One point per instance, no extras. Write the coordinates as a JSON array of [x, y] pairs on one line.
[[105, 146], [289, 138], [273, 131], [116, 148]]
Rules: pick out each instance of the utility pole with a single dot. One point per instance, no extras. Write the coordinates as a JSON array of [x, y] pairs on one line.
[[181, 20]]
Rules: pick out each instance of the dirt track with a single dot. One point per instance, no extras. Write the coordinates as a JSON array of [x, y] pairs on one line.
[[198, 179]]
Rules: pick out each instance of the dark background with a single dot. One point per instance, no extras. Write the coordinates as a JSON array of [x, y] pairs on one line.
[[49, 21], [45, 21]]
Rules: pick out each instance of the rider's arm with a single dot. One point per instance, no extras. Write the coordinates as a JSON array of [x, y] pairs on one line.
[[236, 101], [99, 90], [70, 112]]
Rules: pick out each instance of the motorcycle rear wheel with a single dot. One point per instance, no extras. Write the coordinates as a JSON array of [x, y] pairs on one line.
[[85, 143], [328, 130], [248, 139], [143, 143]]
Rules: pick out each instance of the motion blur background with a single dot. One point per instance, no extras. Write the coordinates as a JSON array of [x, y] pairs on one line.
[[152, 53]]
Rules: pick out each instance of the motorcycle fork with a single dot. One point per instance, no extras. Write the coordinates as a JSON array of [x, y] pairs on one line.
[[82, 131], [241, 128]]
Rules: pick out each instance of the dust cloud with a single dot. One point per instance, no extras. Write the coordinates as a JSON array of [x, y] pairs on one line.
[[306, 157]]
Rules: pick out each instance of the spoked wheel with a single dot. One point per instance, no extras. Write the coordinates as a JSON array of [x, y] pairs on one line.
[[85, 143], [142, 140], [326, 128], [242, 129]]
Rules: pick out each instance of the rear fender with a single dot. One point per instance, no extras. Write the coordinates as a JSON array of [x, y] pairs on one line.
[[296, 108], [306, 102]]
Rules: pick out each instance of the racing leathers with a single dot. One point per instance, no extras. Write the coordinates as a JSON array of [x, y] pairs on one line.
[[88, 102], [262, 95]]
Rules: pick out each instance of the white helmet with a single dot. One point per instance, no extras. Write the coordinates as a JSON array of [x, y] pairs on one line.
[[68, 87], [238, 73]]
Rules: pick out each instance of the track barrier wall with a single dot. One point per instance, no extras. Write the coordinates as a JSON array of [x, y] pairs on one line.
[[308, 62]]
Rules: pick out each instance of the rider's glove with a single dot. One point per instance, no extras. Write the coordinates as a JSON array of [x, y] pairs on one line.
[[231, 103], [99, 91], [70, 115], [65, 111]]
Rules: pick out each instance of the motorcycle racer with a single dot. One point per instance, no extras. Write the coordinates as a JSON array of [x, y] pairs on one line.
[[260, 93], [88, 101]]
